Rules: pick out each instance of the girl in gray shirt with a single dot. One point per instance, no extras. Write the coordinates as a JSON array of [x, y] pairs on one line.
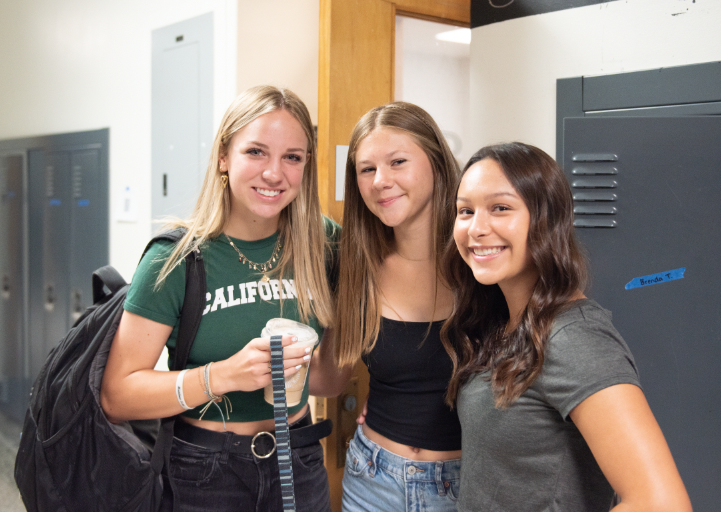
[[551, 409]]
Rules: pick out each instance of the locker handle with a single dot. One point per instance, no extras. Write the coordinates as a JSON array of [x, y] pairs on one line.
[[77, 301], [6, 286], [49, 298], [77, 298]]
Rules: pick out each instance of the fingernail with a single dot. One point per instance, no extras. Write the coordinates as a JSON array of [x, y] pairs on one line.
[[306, 358], [299, 367], [307, 350], [294, 338]]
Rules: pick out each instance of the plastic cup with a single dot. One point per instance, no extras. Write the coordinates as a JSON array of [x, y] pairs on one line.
[[306, 337]]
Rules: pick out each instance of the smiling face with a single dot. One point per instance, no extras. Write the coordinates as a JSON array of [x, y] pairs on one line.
[[491, 229], [265, 162], [395, 178]]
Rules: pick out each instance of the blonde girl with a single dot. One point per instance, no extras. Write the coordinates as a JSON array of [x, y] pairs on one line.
[[265, 247]]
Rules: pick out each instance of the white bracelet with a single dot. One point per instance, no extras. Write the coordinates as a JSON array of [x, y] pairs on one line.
[[179, 391]]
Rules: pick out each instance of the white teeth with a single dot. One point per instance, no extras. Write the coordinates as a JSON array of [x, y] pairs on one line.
[[487, 251], [268, 193]]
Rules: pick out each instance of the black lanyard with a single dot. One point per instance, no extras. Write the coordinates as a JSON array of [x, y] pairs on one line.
[[280, 415]]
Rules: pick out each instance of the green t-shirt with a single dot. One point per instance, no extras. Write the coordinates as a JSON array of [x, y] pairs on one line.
[[238, 305]]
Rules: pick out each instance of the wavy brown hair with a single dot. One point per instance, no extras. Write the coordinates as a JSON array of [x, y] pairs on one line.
[[366, 241], [475, 333]]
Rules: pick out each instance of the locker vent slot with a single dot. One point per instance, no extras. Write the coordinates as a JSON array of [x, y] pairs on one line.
[[49, 181], [595, 209], [77, 181], [594, 170], [594, 196], [594, 223], [595, 157], [594, 184]]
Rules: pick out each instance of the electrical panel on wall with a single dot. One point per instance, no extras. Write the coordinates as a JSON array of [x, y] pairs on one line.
[[182, 103]]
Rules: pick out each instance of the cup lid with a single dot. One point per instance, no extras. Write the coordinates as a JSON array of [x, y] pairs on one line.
[[305, 333]]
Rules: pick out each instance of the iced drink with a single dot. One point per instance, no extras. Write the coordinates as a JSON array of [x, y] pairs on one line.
[[306, 337]]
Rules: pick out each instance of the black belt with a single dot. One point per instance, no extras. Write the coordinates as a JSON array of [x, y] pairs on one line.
[[261, 445]]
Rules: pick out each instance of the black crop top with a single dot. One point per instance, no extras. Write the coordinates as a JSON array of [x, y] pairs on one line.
[[408, 381]]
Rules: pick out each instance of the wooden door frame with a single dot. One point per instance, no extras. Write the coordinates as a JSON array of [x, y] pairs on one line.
[[356, 63]]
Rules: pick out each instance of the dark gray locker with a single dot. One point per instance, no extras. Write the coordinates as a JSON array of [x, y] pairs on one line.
[[37, 199], [64, 238], [56, 247], [89, 214], [12, 293], [655, 183]]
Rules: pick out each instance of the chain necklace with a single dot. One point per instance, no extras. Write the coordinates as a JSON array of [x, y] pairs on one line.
[[263, 267]]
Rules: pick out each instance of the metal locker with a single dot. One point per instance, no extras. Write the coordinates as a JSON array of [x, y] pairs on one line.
[[59, 184], [88, 233], [56, 247], [646, 195], [12, 292]]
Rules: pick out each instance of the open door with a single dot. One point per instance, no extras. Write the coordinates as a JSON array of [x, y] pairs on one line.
[[356, 63]]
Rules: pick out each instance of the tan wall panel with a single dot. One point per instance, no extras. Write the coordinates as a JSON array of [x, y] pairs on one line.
[[355, 66], [443, 10]]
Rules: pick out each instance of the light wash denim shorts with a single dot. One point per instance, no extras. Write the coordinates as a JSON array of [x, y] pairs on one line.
[[378, 480]]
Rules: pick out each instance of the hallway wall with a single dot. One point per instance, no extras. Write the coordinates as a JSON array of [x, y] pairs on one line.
[[81, 65], [515, 63]]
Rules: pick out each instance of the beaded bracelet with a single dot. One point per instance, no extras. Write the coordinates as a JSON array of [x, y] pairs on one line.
[[213, 399], [207, 390]]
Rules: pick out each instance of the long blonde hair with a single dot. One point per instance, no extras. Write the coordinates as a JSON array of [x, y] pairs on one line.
[[301, 225], [366, 241]]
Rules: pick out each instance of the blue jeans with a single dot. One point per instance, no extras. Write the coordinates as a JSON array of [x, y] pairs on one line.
[[208, 480], [378, 480]]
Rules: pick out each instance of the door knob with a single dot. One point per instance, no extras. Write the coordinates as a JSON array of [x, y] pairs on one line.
[[349, 403]]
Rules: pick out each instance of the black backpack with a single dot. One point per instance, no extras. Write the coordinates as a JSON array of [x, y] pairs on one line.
[[71, 458]]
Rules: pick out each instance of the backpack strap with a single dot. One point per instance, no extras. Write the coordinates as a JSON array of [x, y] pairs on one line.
[[106, 277], [190, 316]]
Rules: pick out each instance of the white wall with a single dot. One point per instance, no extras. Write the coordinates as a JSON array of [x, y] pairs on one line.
[[515, 64], [75, 65], [278, 45]]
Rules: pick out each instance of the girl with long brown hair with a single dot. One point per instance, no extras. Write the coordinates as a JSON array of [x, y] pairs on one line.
[[547, 391], [265, 247], [392, 301]]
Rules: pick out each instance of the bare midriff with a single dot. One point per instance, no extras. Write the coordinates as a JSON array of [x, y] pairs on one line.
[[246, 428], [409, 452]]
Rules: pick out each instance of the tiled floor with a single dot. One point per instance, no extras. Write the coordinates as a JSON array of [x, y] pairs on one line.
[[9, 438]]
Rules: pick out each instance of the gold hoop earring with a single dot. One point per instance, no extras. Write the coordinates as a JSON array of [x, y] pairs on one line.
[[224, 179]]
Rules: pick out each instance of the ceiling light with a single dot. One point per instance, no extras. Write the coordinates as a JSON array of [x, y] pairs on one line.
[[459, 35]]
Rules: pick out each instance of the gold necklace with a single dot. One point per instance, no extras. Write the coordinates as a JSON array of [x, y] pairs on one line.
[[263, 267]]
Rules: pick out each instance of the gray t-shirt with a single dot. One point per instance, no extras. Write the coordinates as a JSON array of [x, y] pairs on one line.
[[530, 456]]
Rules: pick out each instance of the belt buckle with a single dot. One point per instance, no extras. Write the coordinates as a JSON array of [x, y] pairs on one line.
[[252, 445]]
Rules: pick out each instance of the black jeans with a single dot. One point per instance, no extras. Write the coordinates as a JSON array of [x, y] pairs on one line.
[[208, 480]]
